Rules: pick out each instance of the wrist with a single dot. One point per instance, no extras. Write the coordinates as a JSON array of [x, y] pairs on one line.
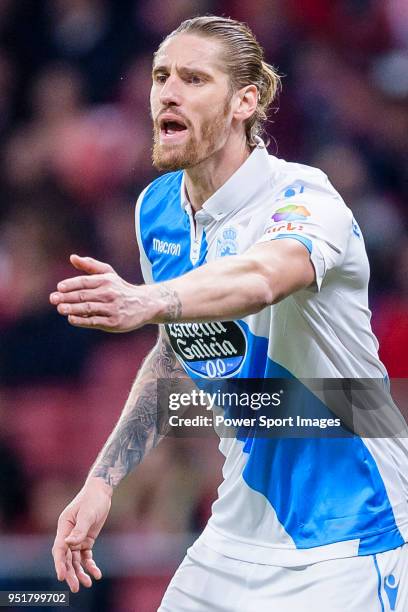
[[97, 482], [143, 306], [155, 305], [167, 304]]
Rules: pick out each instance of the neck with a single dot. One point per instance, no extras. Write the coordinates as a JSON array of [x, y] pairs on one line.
[[205, 178]]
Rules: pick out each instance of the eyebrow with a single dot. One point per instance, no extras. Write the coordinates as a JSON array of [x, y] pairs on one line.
[[183, 70]]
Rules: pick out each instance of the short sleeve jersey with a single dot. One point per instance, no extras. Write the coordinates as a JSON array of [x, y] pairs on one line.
[[283, 501]]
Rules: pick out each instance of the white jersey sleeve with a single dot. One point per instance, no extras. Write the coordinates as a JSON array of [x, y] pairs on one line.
[[312, 212]]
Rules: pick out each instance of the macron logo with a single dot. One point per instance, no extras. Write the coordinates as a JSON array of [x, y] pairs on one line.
[[391, 588], [162, 246]]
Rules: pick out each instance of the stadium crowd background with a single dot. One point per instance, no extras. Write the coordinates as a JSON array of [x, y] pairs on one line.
[[75, 139]]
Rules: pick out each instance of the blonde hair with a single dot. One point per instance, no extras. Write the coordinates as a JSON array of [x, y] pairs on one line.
[[244, 62]]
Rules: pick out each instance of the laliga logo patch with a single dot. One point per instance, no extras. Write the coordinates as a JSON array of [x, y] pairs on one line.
[[355, 228], [291, 212], [227, 245], [209, 350], [291, 190]]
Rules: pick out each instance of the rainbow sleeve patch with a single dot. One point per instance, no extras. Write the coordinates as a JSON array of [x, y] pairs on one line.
[[291, 212]]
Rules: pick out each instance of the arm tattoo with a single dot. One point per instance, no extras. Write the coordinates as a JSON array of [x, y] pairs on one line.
[[137, 430], [173, 303]]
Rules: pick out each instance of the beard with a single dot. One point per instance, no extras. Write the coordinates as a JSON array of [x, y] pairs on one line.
[[195, 149]]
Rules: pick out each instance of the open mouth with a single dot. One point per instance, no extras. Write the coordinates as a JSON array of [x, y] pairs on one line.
[[172, 129]]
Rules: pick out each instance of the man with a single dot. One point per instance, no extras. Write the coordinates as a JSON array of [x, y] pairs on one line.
[[267, 252]]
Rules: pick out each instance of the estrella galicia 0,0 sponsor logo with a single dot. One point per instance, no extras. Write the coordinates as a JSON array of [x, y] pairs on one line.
[[209, 350]]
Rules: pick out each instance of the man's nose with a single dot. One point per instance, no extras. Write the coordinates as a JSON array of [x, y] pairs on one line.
[[170, 92]]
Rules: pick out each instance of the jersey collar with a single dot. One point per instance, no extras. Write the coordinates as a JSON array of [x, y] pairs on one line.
[[238, 190]]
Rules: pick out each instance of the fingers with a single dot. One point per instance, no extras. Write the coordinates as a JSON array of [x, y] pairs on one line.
[[90, 265], [72, 549], [100, 301], [70, 575], [77, 283], [82, 576], [95, 322], [85, 295], [87, 309], [90, 565], [72, 569], [60, 547], [59, 553], [70, 566], [84, 288]]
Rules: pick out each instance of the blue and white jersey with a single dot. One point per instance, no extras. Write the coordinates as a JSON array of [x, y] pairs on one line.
[[284, 501]]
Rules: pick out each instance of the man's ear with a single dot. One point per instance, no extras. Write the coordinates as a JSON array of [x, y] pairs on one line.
[[246, 102]]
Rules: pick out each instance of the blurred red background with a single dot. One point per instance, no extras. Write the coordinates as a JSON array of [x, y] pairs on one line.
[[75, 139]]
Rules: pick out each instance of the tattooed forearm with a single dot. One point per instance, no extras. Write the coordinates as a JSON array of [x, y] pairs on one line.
[[174, 309], [135, 433], [138, 429]]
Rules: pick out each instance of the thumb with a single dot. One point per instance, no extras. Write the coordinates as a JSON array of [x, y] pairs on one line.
[[80, 531], [90, 265]]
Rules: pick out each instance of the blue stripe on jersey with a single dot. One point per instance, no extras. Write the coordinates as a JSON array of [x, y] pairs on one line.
[[336, 478], [257, 363], [326, 480], [380, 542], [377, 569], [305, 241], [163, 219], [335, 492]]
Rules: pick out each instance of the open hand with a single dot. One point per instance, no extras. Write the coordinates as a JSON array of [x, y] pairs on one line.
[[101, 299], [78, 527]]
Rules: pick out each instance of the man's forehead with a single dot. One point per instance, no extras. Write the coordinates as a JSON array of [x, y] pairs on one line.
[[189, 50]]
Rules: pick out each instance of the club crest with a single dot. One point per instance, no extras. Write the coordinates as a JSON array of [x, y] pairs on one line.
[[227, 245]]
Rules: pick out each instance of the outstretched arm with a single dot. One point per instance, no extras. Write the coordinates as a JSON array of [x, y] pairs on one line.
[[222, 290], [135, 433], [137, 430]]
